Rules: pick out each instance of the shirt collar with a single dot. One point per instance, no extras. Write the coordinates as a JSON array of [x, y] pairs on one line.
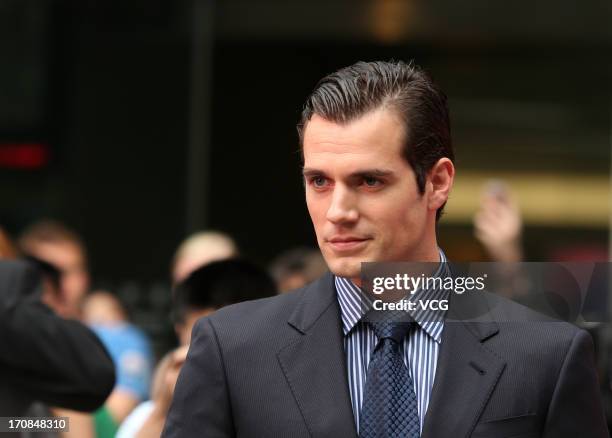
[[350, 296]]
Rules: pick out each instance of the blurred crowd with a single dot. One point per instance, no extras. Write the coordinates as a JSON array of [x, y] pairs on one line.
[[207, 273]]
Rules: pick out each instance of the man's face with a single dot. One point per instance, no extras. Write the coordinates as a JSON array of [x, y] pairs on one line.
[[362, 194]]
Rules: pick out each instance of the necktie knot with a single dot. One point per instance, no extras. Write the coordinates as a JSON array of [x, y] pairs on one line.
[[396, 331]]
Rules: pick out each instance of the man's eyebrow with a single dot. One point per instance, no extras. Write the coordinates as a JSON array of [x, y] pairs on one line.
[[307, 171], [371, 172]]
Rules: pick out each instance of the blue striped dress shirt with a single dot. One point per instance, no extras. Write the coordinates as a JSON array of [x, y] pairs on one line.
[[420, 348]]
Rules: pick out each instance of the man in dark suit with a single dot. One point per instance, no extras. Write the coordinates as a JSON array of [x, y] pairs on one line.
[[43, 357], [378, 168]]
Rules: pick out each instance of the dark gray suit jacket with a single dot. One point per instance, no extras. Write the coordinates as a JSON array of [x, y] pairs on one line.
[[276, 368]]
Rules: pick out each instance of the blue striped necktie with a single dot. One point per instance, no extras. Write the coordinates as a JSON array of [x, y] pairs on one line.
[[389, 408]]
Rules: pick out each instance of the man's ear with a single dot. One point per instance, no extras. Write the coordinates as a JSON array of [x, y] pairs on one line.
[[439, 182]]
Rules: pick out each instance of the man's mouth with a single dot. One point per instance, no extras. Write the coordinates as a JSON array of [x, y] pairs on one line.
[[347, 243]]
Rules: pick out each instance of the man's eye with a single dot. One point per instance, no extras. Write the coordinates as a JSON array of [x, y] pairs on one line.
[[318, 181], [371, 181]]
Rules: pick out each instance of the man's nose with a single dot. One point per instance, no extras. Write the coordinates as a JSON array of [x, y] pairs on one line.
[[343, 207]]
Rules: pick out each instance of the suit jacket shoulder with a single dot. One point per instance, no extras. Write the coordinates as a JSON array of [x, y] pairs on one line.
[[257, 330]]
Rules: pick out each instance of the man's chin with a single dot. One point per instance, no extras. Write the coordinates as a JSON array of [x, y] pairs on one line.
[[345, 268]]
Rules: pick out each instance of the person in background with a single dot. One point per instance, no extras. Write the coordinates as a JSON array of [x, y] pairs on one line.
[[81, 423], [297, 267], [216, 285], [147, 420], [131, 352], [498, 225], [50, 275], [7, 249], [44, 357], [199, 249], [54, 243], [207, 289]]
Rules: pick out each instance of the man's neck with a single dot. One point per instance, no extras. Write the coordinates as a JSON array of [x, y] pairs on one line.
[[429, 257]]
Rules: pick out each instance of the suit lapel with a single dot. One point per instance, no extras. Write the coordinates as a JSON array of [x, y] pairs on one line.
[[315, 364], [467, 371]]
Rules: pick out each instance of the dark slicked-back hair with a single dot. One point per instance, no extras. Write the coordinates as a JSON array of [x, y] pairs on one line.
[[353, 91]]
